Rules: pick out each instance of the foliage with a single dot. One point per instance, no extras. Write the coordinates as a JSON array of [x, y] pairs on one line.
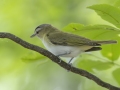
[[101, 32], [21, 17]]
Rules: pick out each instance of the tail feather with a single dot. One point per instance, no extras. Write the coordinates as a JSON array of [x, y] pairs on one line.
[[93, 49], [106, 42]]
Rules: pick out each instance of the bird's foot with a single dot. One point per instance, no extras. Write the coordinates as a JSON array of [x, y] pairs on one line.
[[59, 59], [70, 67]]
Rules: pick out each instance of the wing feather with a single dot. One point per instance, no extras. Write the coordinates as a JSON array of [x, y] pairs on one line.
[[67, 39]]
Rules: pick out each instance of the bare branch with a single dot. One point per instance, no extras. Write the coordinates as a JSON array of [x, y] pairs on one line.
[[56, 60]]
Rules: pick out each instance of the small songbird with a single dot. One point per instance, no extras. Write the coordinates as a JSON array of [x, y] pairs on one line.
[[64, 44]]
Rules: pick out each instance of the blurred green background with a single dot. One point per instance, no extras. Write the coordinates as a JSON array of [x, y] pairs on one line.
[[22, 69]]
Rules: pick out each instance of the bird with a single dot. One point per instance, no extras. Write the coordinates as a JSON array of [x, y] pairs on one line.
[[64, 44]]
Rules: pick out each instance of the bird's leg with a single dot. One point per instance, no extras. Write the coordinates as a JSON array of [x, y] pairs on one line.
[[70, 63], [62, 55], [59, 58], [70, 60]]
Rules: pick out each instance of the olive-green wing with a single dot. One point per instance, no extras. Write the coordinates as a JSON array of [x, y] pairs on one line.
[[67, 39]]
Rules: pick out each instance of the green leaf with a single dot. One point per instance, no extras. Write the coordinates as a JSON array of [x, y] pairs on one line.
[[90, 65], [112, 51], [116, 75], [108, 13], [99, 32], [117, 4], [92, 31], [32, 57], [73, 27]]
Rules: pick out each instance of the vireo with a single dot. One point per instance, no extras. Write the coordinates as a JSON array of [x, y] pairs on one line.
[[65, 44]]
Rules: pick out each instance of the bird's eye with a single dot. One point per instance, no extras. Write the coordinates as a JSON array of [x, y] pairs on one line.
[[37, 32]]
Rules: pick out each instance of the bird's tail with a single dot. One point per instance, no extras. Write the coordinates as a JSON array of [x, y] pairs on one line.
[[107, 42]]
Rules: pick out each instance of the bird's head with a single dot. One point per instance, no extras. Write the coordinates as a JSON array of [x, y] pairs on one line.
[[41, 30]]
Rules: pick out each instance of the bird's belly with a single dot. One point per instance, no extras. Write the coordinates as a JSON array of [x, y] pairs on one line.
[[63, 51]]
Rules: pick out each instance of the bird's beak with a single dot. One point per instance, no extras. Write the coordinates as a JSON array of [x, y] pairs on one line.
[[33, 35]]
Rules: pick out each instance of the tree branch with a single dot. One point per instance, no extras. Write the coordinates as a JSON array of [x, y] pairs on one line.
[[57, 60]]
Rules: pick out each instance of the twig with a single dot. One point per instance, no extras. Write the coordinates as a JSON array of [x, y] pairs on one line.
[[57, 60]]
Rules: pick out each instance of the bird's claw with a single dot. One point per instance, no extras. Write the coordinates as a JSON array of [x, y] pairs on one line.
[[70, 66], [60, 61]]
